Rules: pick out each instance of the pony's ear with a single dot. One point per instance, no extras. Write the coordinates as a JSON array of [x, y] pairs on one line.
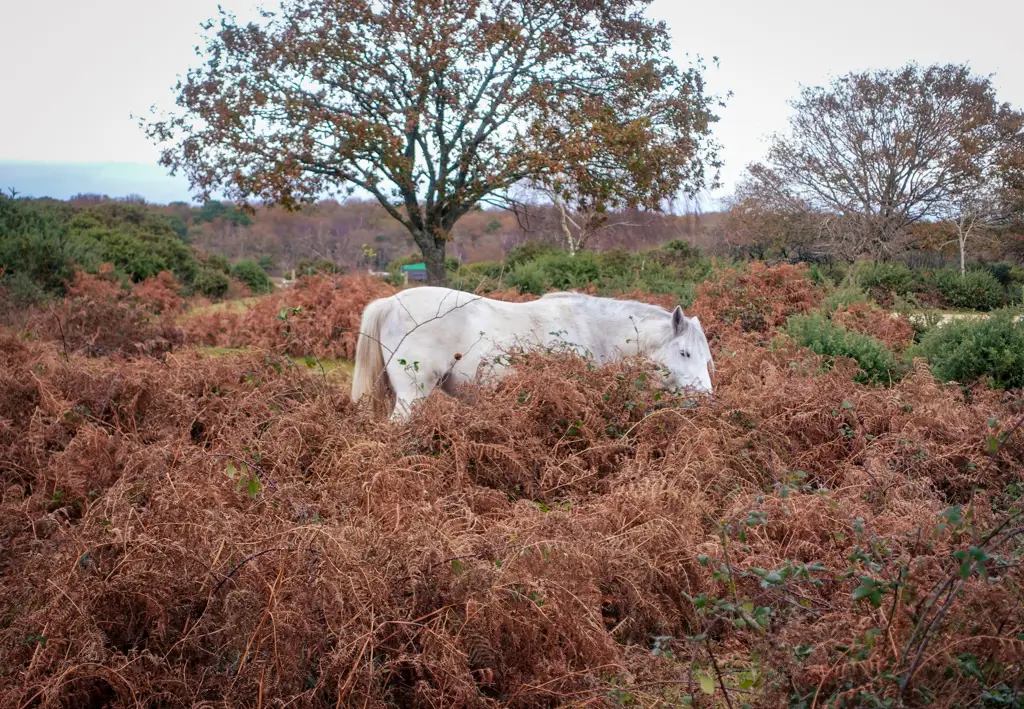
[[679, 322]]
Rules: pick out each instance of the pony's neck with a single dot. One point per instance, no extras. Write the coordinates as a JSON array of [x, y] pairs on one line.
[[654, 330]]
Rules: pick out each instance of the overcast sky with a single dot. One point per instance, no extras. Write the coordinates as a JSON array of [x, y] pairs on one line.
[[74, 71]]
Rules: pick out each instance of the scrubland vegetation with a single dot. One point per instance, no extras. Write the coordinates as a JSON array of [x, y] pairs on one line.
[[193, 512], [840, 526]]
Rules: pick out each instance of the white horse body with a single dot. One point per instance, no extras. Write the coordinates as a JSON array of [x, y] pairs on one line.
[[423, 337]]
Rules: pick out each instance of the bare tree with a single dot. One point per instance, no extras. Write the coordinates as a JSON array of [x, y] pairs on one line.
[[876, 152]]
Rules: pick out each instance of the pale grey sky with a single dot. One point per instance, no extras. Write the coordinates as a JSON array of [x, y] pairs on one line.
[[74, 71]]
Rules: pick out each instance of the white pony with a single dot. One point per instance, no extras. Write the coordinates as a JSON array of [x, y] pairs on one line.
[[418, 339]]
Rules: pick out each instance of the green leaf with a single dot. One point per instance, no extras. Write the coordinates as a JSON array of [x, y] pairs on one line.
[[802, 652], [232, 471], [847, 404], [954, 515], [707, 684], [992, 444], [310, 361], [869, 589], [254, 486]]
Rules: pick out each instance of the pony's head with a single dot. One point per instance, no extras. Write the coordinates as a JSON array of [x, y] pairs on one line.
[[686, 355]]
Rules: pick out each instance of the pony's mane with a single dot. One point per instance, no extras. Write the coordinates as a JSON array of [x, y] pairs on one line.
[[613, 304]]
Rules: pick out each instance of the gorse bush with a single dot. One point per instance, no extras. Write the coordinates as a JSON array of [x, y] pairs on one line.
[[138, 242], [558, 271], [826, 337], [38, 253], [307, 267], [211, 283], [253, 275], [218, 262], [845, 296], [973, 290], [535, 268], [968, 349], [46, 243], [884, 280]]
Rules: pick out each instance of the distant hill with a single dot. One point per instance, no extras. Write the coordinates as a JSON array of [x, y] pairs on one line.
[[64, 180]]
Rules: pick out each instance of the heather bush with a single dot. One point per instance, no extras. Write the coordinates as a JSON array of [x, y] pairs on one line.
[[876, 364], [967, 349]]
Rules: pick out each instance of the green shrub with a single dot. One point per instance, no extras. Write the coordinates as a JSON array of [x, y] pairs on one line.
[[137, 241], [968, 349], [923, 321], [844, 296], [559, 271], [178, 225], [36, 247], [1002, 272], [833, 274], [484, 275], [885, 279], [530, 251], [307, 267], [974, 290], [218, 262], [529, 277], [251, 273], [211, 283], [824, 337]]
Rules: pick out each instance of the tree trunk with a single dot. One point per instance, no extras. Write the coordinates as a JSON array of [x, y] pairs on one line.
[[433, 251], [963, 257]]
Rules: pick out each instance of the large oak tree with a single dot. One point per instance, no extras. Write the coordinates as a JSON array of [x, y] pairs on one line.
[[437, 106], [876, 152]]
